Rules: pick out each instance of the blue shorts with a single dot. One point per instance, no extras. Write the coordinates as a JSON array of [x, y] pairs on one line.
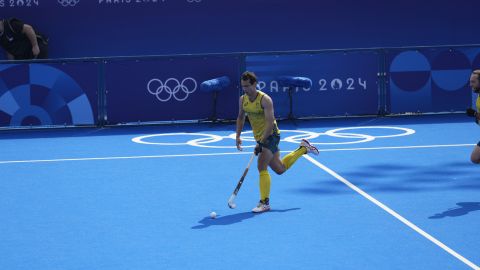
[[272, 143]]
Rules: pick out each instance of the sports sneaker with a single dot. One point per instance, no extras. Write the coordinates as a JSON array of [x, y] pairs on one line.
[[310, 148], [262, 206]]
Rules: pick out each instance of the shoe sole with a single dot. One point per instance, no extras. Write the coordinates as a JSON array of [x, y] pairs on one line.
[[309, 145], [259, 212]]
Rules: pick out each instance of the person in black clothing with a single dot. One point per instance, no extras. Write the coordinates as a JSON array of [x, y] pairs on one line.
[[20, 41]]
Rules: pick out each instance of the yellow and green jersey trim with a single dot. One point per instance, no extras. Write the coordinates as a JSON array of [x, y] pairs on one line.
[[256, 115]]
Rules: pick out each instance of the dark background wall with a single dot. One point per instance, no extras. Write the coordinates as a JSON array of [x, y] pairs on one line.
[[98, 28]]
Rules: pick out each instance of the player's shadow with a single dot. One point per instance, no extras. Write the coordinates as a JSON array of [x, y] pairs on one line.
[[463, 209], [235, 218]]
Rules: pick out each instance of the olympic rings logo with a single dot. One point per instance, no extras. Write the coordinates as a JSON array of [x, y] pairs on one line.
[[67, 3], [172, 88], [206, 140]]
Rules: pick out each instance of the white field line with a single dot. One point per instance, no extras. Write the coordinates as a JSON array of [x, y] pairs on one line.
[[393, 213], [222, 154]]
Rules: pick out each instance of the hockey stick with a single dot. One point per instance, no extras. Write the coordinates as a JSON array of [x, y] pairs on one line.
[[231, 201]]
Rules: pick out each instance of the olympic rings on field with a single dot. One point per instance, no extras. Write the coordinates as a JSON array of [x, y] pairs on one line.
[[207, 140]]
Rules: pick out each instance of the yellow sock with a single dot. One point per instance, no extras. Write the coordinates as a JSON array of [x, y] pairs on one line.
[[264, 185], [292, 157]]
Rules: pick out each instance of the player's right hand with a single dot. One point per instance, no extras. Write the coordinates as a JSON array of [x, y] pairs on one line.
[[238, 141], [258, 149]]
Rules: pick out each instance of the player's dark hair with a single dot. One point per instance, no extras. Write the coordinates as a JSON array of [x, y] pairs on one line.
[[249, 76], [477, 72]]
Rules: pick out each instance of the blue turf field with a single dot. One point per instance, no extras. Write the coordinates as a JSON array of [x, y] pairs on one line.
[[402, 195]]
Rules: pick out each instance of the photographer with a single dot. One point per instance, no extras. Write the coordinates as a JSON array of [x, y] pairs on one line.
[[20, 41]]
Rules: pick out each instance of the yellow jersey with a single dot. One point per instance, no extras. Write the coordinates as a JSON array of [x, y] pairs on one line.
[[256, 115], [477, 103]]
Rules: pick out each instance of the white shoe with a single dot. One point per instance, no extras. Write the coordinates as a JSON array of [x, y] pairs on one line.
[[310, 148], [261, 207]]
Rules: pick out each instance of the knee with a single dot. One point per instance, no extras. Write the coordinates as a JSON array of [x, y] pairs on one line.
[[261, 168], [475, 160], [276, 171], [280, 171], [475, 156]]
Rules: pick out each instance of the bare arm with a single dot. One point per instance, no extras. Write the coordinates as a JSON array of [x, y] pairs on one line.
[[240, 124], [9, 56], [32, 36], [267, 105]]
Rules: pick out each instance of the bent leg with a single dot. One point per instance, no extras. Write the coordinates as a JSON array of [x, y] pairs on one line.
[[276, 164], [282, 165], [292, 157], [475, 156]]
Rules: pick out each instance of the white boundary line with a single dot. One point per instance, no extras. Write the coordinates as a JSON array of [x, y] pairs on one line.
[[223, 154], [396, 147], [393, 213], [114, 158]]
